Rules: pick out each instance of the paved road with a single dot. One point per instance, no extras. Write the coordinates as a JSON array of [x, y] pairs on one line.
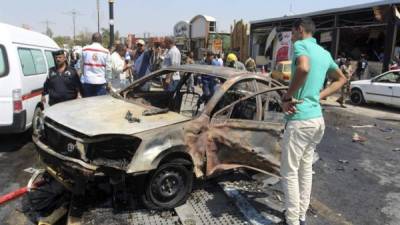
[[354, 183]]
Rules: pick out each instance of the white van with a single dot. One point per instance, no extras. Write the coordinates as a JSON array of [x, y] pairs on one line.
[[25, 58]]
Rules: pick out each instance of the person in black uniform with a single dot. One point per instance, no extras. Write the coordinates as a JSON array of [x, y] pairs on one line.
[[62, 83]]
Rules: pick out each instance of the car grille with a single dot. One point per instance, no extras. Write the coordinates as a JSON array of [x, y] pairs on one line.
[[59, 142]]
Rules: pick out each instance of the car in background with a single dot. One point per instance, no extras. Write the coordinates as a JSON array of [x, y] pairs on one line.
[[25, 58], [165, 137], [282, 71], [384, 88]]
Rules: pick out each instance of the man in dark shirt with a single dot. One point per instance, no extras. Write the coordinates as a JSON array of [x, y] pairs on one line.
[[62, 83]]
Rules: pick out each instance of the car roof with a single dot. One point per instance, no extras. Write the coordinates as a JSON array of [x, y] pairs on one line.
[[218, 71]]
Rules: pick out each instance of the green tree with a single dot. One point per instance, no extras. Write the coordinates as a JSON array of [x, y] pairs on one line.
[[61, 40]]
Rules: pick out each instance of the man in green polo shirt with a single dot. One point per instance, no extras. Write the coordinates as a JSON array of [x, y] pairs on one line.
[[305, 124]]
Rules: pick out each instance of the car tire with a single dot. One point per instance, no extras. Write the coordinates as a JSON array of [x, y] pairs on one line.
[[169, 185], [356, 97], [36, 121]]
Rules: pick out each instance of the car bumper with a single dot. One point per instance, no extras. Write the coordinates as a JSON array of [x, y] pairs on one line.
[[73, 173], [18, 125]]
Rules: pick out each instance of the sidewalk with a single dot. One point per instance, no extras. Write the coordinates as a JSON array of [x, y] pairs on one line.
[[377, 111]]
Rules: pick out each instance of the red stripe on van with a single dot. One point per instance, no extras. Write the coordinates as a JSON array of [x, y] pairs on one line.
[[31, 95]]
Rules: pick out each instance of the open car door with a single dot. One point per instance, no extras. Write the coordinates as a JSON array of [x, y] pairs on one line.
[[246, 133]]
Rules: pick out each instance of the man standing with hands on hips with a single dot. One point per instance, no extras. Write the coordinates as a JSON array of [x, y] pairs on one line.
[[305, 124]]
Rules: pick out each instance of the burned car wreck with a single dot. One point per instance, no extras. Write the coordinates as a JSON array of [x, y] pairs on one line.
[[166, 137]]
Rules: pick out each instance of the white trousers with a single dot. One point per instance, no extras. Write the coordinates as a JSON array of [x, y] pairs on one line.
[[299, 142]]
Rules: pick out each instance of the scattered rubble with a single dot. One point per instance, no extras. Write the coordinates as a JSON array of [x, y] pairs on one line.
[[363, 126], [387, 130], [357, 138], [30, 170]]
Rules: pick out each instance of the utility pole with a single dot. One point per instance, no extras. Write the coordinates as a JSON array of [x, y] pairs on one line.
[[47, 23], [98, 16], [111, 11], [74, 13]]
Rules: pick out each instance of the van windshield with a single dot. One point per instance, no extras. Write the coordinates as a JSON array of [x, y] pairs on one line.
[[3, 62]]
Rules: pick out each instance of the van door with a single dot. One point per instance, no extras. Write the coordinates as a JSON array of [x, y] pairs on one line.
[[35, 71], [6, 104]]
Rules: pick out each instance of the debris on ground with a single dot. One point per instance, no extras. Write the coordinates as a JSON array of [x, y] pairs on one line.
[[278, 197], [340, 168], [396, 149], [270, 181], [363, 126], [54, 217], [30, 170], [386, 130], [357, 138], [343, 161]]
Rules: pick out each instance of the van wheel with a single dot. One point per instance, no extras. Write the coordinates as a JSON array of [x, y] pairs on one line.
[[37, 121], [169, 185], [357, 97]]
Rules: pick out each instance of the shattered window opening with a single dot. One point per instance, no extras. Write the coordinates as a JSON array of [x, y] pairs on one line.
[[238, 91]]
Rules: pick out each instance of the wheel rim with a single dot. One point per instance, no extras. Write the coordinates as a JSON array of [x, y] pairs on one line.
[[356, 97], [167, 185]]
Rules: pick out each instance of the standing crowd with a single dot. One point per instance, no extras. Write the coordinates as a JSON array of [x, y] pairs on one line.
[[96, 70]]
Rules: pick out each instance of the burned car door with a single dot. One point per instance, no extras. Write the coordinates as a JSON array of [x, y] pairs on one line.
[[246, 133]]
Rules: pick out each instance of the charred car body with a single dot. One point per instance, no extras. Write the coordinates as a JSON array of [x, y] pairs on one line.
[[167, 137]]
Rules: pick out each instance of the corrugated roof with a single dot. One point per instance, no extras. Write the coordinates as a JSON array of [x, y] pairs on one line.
[[329, 11]]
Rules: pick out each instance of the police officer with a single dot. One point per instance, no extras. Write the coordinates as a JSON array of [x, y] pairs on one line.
[[62, 83]]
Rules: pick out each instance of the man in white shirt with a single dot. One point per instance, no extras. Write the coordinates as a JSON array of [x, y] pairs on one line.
[[119, 67], [96, 68], [172, 58]]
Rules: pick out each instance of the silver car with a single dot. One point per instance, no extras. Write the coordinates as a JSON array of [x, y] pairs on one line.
[[168, 138]]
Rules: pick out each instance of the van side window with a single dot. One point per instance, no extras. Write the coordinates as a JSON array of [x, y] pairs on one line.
[[32, 61], [3, 62], [39, 61], [49, 58]]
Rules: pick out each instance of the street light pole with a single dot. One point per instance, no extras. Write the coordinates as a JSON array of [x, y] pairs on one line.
[[98, 16], [111, 8]]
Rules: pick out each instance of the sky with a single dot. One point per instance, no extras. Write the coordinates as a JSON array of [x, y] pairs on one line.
[[156, 17]]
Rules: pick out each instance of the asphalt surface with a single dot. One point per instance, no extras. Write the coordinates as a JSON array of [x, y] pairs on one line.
[[354, 183]]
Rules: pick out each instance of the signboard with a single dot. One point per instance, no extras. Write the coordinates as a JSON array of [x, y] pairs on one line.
[[217, 45], [181, 29], [326, 37], [282, 48]]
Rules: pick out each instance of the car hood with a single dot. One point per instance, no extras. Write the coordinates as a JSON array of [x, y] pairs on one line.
[[361, 82], [106, 115]]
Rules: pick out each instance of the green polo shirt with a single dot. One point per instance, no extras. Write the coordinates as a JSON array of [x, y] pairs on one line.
[[320, 63]]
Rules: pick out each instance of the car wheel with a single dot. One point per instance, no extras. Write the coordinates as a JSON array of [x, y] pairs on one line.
[[169, 186], [357, 97], [37, 122]]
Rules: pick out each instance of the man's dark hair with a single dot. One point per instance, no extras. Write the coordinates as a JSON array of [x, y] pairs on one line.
[[169, 40], [307, 24], [96, 37], [119, 47]]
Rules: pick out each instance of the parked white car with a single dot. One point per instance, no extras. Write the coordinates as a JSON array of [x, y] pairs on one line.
[[25, 58], [384, 88]]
